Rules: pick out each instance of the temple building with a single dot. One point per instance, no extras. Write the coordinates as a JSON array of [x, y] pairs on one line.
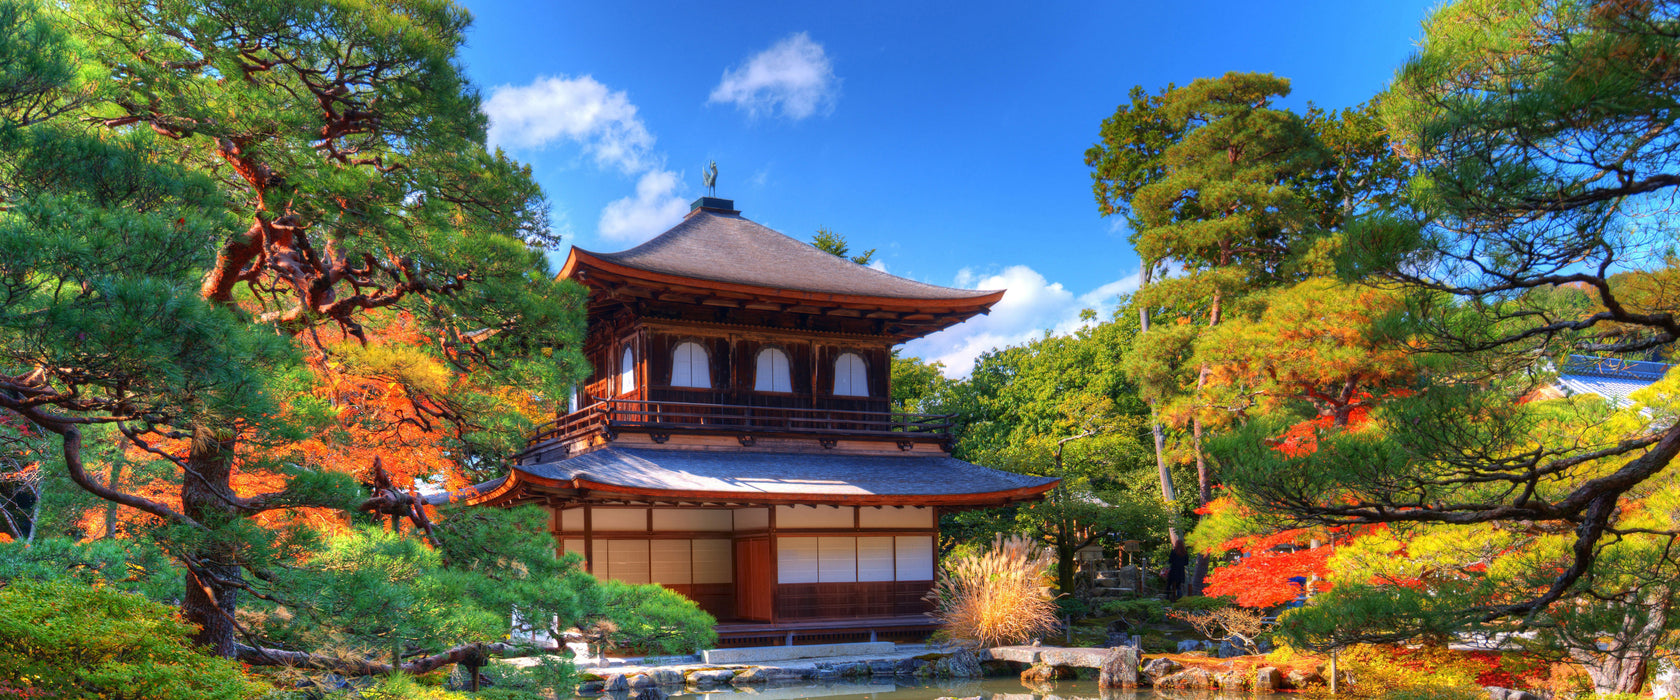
[[736, 442]]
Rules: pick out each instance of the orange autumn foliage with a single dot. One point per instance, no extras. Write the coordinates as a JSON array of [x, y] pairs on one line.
[[374, 413], [1263, 580]]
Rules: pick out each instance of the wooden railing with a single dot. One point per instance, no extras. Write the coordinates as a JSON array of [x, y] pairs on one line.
[[678, 416]]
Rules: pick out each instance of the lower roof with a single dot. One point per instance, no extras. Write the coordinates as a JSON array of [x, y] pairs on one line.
[[768, 477]]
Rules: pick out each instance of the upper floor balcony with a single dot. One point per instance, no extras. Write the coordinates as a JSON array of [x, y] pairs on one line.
[[609, 417]]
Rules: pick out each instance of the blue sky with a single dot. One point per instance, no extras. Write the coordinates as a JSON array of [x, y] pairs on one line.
[[950, 137]]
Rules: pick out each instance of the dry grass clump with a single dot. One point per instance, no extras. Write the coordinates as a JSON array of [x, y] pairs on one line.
[[1001, 596]]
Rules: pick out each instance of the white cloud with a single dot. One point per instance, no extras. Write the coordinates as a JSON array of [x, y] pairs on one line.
[[604, 123], [581, 110], [654, 208], [1031, 306], [793, 76]]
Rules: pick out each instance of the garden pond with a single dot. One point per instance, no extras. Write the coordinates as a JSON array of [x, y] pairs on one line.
[[888, 689]]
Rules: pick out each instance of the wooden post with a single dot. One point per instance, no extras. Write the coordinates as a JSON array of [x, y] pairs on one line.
[[1332, 671], [588, 538], [775, 573]]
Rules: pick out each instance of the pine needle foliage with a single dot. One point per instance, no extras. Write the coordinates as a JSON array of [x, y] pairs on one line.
[[999, 596]]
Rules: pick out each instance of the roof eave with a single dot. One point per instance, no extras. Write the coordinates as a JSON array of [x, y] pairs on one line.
[[504, 493]]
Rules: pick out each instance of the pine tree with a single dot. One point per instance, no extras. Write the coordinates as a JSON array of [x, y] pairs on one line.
[[202, 197]]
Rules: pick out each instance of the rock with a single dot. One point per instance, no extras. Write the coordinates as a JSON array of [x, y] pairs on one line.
[[666, 676], [642, 680], [1300, 680], [713, 677], [1160, 667], [963, 663], [1119, 669], [996, 669], [907, 667], [1267, 680], [1045, 673], [616, 683], [652, 692], [854, 670], [1039, 674], [1498, 693], [882, 667], [1188, 645], [1231, 648], [591, 687], [1231, 680], [1078, 657], [1188, 679], [756, 674]]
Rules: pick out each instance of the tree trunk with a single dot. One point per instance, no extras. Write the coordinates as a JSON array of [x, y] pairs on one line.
[[1621, 665], [1625, 674], [1204, 493], [1168, 493], [111, 507], [1064, 566], [206, 488]]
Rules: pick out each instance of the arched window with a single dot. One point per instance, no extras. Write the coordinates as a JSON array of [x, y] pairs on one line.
[[627, 372], [689, 366], [851, 378], [772, 374]]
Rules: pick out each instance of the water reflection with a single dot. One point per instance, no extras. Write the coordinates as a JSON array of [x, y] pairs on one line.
[[888, 689]]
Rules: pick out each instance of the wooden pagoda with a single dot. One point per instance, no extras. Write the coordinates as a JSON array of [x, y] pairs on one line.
[[736, 443]]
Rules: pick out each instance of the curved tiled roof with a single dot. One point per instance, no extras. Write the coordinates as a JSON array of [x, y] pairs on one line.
[[725, 247], [776, 476]]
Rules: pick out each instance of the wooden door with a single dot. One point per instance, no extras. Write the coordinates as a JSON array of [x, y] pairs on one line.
[[752, 578]]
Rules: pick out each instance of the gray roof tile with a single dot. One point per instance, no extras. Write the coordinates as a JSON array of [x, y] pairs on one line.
[[752, 472], [724, 247]]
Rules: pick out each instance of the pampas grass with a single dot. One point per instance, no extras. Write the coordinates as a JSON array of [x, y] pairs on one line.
[[997, 597]]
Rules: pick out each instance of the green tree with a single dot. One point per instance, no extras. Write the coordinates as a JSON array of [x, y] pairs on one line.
[[1060, 406], [194, 191], [1129, 156], [371, 593], [917, 385], [1539, 131], [830, 242]]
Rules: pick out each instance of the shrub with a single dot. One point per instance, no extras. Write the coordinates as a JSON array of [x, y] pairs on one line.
[[1001, 596], [1231, 622], [62, 639], [1140, 610], [1196, 603], [646, 617], [1407, 673]]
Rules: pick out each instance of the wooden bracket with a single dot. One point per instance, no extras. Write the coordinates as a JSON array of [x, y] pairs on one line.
[[746, 440], [828, 443], [906, 445], [659, 438]]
